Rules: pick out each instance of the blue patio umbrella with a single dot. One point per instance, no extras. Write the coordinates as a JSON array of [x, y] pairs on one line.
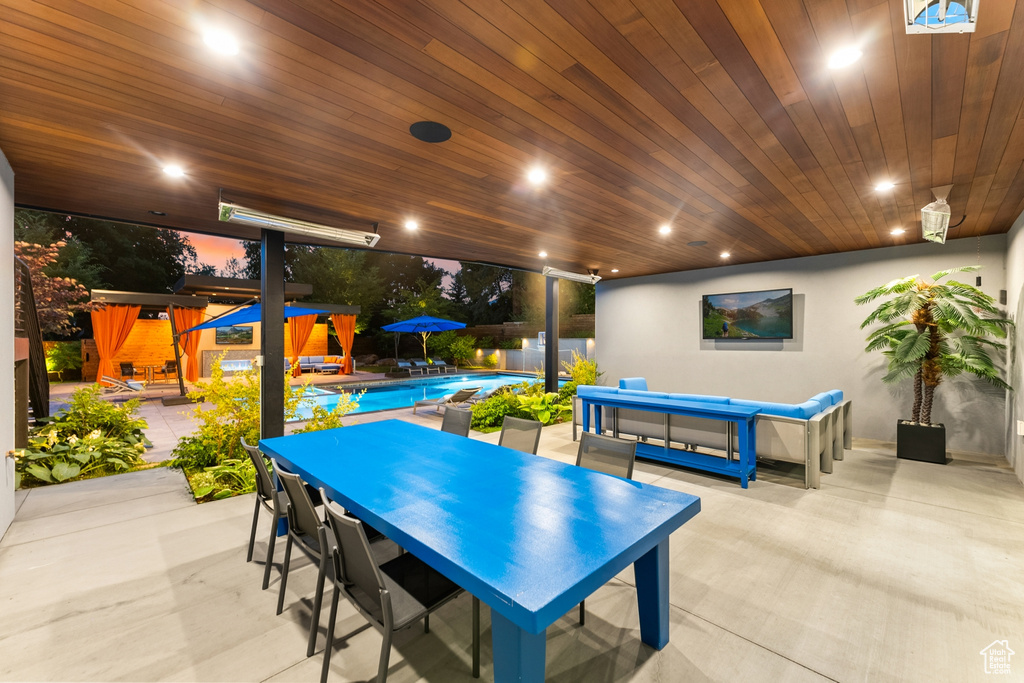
[[423, 325], [252, 314]]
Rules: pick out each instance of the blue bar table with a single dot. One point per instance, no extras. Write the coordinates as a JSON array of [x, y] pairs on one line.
[[529, 536]]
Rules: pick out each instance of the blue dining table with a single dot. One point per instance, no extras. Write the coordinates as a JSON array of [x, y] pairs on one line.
[[529, 536]]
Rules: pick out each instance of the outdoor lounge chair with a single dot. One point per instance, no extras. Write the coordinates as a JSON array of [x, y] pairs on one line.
[[457, 399], [441, 365], [424, 366], [483, 397], [406, 365], [120, 387]]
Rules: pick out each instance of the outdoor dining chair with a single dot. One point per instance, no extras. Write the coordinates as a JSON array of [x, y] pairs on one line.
[[457, 421], [391, 595], [521, 435], [267, 496], [608, 455], [169, 369], [128, 371], [457, 399]]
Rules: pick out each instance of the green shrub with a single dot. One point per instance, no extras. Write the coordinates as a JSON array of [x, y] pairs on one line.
[[566, 392], [515, 343], [330, 419], [194, 453], [485, 342], [91, 437], [64, 356], [491, 361], [440, 343], [230, 478], [544, 408], [462, 349], [581, 370], [488, 415]]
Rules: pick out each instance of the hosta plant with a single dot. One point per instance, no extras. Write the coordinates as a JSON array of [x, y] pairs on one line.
[[545, 408], [935, 328]]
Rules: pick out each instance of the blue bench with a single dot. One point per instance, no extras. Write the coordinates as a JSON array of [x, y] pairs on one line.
[[812, 433]]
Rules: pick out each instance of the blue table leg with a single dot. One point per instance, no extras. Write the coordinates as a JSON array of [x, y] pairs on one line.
[[651, 572], [586, 415], [518, 655]]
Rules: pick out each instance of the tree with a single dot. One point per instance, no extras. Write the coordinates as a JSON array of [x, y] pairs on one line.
[[932, 330], [74, 260], [341, 276], [57, 299], [234, 268]]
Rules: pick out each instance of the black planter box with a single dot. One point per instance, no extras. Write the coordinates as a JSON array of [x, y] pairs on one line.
[[926, 443]]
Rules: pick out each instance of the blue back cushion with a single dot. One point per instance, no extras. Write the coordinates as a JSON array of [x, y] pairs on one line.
[[643, 394], [824, 398], [699, 398], [589, 390], [634, 383], [837, 396], [803, 411]]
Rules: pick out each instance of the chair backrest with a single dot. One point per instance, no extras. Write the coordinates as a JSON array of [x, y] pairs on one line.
[[170, 365], [302, 517], [403, 364], [457, 421], [438, 361], [417, 363], [522, 435], [127, 369], [462, 395], [353, 561], [265, 488], [607, 454]]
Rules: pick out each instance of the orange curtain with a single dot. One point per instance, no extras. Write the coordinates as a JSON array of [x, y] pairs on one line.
[[185, 318], [300, 327], [110, 328], [345, 328]]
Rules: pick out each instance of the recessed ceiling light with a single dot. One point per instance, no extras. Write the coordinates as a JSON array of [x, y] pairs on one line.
[[411, 225], [537, 176], [897, 231], [696, 243], [174, 171], [159, 213], [220, 41], [615, 270], [665, 229], [725, 254], [844, 57], [543, 254], [884, 186]]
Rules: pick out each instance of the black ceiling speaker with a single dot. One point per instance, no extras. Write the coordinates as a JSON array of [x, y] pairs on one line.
[[430, 131]]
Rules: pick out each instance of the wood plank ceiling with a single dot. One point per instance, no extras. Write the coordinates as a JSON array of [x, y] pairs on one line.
[[720, 118]]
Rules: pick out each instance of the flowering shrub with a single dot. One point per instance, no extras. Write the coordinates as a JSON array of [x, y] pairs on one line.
[[91, 437]]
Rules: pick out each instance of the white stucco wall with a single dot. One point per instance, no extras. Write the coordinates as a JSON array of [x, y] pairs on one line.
[[1015, 355], [651, 326], [6, 342]]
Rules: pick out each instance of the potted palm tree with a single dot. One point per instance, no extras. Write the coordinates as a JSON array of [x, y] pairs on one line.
[[931, 330]]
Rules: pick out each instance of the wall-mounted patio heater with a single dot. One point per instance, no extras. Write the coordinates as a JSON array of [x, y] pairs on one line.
[[940, 16]]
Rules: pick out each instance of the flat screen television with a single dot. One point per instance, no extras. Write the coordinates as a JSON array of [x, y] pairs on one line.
[[766, 314], [235, 334]]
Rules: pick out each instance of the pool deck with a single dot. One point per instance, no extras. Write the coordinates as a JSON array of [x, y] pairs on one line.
[[168, 424]]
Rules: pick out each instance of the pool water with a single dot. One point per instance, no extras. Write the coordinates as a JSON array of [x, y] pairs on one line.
[[404, 394]]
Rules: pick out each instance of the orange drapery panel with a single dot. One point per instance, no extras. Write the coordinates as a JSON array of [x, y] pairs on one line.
[[345, 327], [110, 328], [300, 327], [185, 318]]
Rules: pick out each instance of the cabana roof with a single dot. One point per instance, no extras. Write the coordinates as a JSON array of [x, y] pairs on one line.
[[148, 301], [229, 288]]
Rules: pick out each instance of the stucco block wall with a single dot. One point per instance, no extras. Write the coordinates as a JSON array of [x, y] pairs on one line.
[[651, 327]]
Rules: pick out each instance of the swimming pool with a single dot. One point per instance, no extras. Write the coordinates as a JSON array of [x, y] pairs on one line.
[[403, 394]]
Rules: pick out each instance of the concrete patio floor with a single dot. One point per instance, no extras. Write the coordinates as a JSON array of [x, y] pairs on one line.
[[892, 571]]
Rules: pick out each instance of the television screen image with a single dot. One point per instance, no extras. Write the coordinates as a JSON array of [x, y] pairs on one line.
[[235, 334], [766, 314]]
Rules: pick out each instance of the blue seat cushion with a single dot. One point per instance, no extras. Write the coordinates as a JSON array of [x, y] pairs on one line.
[[802, 411], [634, 383], [314, 359], [699, 398], [837, 396]]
